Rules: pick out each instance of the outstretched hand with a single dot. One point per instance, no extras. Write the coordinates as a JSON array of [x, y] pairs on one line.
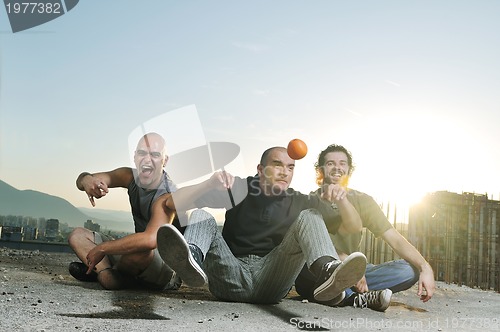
[[94, 187], [222, 180]]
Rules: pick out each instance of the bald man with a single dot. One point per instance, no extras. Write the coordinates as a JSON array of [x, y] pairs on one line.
[[133, 260]]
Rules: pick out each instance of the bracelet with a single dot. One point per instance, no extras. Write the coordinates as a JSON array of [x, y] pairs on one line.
[[80, 178]]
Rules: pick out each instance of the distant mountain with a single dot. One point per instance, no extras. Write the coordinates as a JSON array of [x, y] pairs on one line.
[[36, 204], [120, 216]]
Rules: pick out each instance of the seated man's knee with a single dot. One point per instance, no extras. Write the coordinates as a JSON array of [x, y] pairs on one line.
[[200, 215], [310, 214], [408, 275], [412, 273], [311, 218], [77, 234], [405, 270]]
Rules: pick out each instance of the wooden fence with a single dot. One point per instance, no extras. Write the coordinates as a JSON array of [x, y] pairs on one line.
[[456, 233]]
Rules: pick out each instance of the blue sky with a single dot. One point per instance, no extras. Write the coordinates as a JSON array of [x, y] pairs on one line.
[[410, 87]]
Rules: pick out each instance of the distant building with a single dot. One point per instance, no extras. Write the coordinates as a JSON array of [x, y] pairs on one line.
[[91, 225], [30, 233], [42, 226], [52, 229], [459, 236], [12, 233]]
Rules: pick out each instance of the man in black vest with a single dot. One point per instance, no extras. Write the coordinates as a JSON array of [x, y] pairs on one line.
[[270, 232]]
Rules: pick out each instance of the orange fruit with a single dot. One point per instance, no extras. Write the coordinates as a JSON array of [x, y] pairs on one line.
[[297, 149]]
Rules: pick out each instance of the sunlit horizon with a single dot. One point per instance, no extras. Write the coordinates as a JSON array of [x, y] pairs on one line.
[[416, 103]]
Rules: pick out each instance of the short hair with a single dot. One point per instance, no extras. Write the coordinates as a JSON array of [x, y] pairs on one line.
[[265, 155], [322, 156]]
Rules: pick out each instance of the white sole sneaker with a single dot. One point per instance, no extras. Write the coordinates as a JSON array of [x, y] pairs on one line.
[[174, 250], [346, 275], [385, 300], [378, 300]]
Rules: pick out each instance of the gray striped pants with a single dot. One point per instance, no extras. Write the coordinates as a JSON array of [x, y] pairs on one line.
[[252, 278]]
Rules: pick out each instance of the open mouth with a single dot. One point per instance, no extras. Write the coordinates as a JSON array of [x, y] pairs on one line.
[[146, 170]]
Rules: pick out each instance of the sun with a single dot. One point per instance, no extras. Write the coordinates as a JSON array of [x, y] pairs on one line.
[[402, 158]]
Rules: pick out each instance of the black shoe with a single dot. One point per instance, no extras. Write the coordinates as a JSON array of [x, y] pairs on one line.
[[196, 253], [337, 275], [376, 300], [184, 259], [79, 271]]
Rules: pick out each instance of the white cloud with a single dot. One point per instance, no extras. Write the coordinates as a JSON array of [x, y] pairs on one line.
[[252, 47]]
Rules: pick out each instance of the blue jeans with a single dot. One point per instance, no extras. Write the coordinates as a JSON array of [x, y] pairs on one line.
[[397, 275]]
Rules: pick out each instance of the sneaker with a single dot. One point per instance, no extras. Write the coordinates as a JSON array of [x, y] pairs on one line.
[[196, 253], [177, 254], [376, 300], [79, 271], [337, 275], [335, 301]]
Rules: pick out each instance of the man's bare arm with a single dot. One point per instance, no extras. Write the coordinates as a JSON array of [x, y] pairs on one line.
[[409, 253], [137, 242], [184, 198], [351, 221], [97, 185]]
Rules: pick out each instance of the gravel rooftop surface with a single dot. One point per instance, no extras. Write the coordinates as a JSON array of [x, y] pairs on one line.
[[37, 293]]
